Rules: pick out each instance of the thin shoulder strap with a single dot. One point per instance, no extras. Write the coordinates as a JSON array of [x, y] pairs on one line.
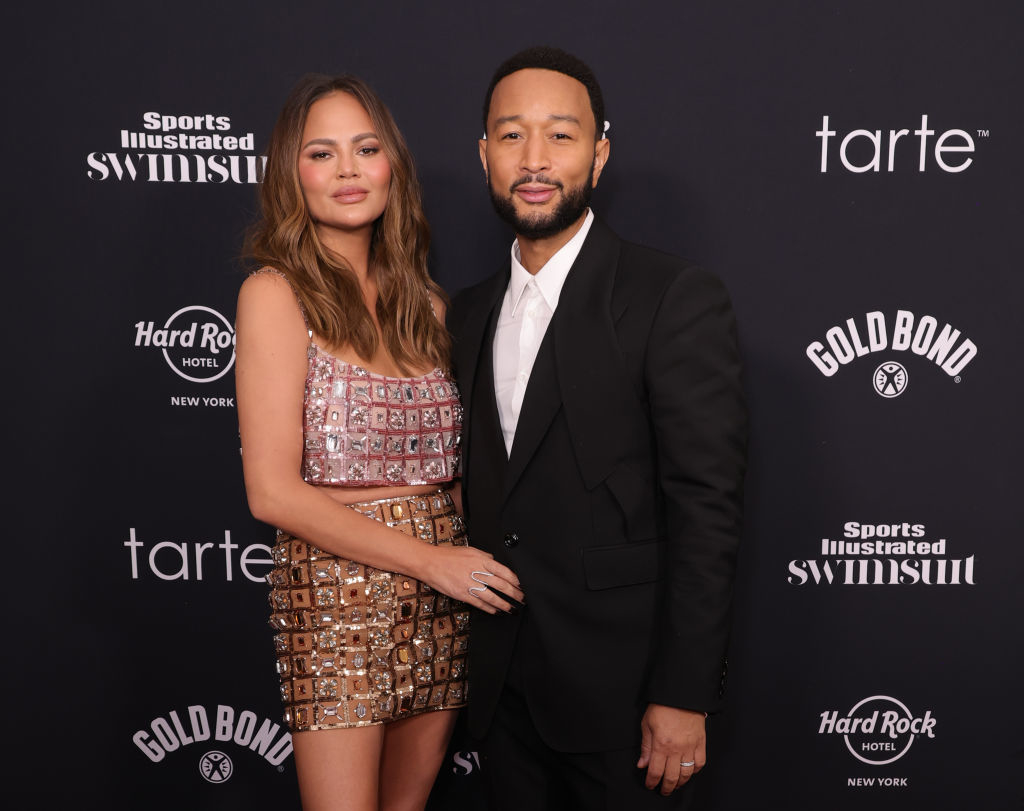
[[302, 310]]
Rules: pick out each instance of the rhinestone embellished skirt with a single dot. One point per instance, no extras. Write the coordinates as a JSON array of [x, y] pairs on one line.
[[358, 646]]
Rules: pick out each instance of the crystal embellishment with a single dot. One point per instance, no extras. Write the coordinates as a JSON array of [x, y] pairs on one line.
[[358, 424]]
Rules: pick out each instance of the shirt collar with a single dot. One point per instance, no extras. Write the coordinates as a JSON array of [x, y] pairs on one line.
[[550, 278]]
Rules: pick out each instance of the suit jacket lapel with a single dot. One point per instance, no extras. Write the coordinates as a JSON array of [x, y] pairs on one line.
[[540, 404], [576, 364], [590, 368]]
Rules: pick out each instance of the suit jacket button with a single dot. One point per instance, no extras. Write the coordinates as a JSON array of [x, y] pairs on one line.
[[511, 540]]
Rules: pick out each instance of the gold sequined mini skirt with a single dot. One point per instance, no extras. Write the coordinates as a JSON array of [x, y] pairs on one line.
[[358, 646]]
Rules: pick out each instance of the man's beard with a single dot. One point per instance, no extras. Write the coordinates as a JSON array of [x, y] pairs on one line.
[[541, 226]]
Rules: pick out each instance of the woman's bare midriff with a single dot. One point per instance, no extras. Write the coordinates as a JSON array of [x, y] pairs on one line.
[[357, 495]]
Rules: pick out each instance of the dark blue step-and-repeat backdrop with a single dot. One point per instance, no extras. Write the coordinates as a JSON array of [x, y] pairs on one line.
[[851, 170]]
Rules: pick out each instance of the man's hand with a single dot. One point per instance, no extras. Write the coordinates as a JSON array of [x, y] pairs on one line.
[[671, 737]]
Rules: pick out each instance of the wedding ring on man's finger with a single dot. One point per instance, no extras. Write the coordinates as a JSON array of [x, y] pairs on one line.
[[686, 764]]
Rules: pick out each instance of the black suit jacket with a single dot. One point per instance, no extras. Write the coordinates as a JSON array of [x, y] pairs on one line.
[[619, 506]]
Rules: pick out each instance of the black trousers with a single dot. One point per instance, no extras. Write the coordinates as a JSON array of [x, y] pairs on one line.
[[522, 773]]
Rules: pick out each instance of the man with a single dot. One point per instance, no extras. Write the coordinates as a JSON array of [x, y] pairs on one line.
[[603, 463]]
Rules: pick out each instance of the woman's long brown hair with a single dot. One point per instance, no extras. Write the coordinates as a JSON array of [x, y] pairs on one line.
[[285, 238]]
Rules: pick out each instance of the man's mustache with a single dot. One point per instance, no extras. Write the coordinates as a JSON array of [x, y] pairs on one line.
[[547, 181]]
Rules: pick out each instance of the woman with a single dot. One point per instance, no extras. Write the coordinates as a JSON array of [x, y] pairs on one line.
[[350, 433]]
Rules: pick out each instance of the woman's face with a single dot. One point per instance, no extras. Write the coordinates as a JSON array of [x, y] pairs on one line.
[[343, 170]]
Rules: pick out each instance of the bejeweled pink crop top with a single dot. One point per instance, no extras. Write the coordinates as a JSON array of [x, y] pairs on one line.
[[366, 429], [362, 429]]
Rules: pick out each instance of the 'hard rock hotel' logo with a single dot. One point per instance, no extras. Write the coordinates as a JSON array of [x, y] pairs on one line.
[[878, 730], [197, 342]]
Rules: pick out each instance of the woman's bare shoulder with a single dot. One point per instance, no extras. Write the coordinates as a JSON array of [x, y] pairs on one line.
[[266, 297]]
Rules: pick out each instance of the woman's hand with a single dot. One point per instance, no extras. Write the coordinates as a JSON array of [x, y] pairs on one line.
[[473, 576]]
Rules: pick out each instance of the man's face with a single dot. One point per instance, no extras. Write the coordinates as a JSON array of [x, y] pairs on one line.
[[540, 155]]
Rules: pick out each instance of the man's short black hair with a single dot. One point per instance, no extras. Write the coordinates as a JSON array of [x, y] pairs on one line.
[[547, 58]]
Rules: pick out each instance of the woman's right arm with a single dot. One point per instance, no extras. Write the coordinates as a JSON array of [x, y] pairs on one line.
[[270, 374]]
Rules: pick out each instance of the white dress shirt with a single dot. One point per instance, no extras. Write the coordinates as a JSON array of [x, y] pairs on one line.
[[526, 311]]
